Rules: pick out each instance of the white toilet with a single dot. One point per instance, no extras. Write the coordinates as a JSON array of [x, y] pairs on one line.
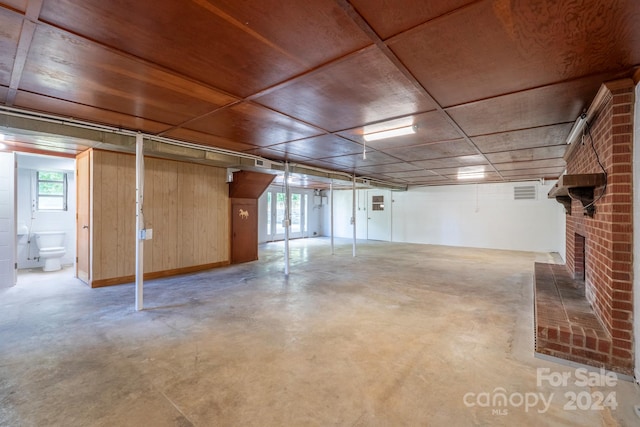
[[51, 246]]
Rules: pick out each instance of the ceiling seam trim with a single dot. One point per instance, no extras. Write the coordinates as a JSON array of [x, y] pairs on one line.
[[364, 25]]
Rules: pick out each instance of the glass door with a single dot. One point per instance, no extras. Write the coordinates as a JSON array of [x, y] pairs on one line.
[[276, 213]]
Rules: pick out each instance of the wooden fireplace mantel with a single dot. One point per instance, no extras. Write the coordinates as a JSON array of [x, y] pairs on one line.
[[580, 187]]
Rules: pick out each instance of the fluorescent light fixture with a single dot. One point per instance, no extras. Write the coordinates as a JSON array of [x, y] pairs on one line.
[[407, 130], [471, 172], [577, 128]]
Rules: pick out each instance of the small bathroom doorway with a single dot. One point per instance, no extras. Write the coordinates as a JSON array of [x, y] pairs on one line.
[[45, 217]]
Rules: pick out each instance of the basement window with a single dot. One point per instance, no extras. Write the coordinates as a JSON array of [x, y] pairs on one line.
[[51, 191]]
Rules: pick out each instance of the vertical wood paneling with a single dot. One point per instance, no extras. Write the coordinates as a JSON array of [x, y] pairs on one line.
[[126, 214], [149, 215], [201, 206], [185, 204], [187, 180], [83, 203], [96, 211], [172, 196], [109, 213]]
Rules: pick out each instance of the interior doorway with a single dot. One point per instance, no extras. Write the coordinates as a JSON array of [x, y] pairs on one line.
[[379, 215], [45, 210]]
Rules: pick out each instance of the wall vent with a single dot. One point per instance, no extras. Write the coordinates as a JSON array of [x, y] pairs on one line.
[[524, 192], [261, 163]]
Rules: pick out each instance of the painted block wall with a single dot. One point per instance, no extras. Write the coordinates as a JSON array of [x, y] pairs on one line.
[[7, 220], [343, 202], [27, 249], [483, 215]]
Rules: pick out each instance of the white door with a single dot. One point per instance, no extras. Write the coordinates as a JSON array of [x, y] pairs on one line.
[[275, 215], [379, 215], [7, 220]]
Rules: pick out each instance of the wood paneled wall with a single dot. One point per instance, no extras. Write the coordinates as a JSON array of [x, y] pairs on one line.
[[185, 204]]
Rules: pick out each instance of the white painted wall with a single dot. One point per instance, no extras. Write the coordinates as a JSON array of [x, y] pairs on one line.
[[314, 213], [636, 233], [483, 215], [42, 220], [342, 213], [7, 220]]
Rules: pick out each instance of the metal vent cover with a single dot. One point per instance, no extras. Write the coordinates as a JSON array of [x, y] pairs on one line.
[[524, 192]]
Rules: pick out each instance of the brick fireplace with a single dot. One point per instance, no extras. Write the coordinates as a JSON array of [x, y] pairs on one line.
[[599, 247]]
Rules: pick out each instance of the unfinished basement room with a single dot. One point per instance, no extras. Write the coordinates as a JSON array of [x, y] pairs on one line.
[[319, 213]]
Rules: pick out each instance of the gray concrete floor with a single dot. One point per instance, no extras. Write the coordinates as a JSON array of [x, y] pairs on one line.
[[401, 335]]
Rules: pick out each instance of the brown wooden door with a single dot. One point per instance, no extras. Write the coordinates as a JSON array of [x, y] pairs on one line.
[[83, 217], [244, 231]]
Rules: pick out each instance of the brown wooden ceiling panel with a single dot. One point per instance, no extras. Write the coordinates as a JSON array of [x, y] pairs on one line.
[[273, 154], [32, 101], [538, 172], [392, 17], [356, 160], [206, 139], [320, 146], [253, 124], [411, 175], [194, 38], [10, 27], [25, 141], [352, 163], [460, 179], [435, 150], [430, 127], [388, 168], [526, 154], [560, 103], [19, 5], [497, 47], [534, 164], [527, 138], [295, 25], [452, 162], [69, 68], [363, 88], [329, 164], [430, 180]]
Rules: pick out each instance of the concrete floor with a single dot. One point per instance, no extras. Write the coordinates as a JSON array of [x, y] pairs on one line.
[[400, 335]]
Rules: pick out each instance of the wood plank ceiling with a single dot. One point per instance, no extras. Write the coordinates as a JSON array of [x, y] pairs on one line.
[[492, 85]]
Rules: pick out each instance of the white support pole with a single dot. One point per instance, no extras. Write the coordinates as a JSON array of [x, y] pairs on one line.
[[331, 217], [139, 221], [353, 219], [287, 219]]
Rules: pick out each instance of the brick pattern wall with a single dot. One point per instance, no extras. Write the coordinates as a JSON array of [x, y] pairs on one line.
[[608, 235]]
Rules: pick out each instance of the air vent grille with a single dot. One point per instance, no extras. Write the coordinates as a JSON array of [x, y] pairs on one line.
[[524, 192]]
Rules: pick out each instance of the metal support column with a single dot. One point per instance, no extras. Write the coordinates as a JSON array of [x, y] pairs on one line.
[[331, 217], [139, 221], [287, 219], [353, 218]]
